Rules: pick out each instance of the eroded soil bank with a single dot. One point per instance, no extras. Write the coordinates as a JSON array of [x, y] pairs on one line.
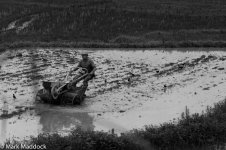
[[132, 88]]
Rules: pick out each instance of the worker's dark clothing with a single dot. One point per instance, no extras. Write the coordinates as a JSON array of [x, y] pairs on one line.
[[89, 65]]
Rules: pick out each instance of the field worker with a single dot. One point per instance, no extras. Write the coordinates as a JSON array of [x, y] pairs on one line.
[[88, 64]]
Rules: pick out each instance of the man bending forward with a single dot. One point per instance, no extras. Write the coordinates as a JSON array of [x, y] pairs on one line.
[[88, 64]]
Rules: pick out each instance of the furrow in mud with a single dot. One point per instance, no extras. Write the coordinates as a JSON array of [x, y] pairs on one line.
[[130, 89]]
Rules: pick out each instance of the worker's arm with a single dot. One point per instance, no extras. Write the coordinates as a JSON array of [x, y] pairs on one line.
[[76, 68], [93, 71]]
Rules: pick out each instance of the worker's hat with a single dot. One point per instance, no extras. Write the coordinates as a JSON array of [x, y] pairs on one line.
[[84, 53]]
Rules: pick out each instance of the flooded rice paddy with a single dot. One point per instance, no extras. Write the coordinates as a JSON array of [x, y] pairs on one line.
[[132, 88]]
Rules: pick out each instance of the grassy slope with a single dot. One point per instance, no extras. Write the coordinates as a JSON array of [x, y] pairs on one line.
[[147, 22]]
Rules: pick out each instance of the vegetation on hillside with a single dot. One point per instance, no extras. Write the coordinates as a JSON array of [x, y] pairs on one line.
[[113, 21]]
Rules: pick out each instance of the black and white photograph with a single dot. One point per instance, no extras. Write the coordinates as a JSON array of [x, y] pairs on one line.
[[112, 74]]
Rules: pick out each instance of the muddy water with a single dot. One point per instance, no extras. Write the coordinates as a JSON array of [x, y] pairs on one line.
[[132, 88]]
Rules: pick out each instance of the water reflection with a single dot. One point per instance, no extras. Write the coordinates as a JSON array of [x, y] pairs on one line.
[[54, 120], [3, 129]]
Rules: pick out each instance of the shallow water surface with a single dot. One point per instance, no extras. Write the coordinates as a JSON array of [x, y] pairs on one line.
[[132, 88]]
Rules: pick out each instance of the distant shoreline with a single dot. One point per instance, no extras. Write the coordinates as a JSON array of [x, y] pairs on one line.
[[153, 44]]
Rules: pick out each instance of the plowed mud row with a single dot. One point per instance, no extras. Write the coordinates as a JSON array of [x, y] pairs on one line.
[[132, 88]]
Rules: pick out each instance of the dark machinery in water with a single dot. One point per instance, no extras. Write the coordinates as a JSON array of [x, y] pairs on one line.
[[60, 93]]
